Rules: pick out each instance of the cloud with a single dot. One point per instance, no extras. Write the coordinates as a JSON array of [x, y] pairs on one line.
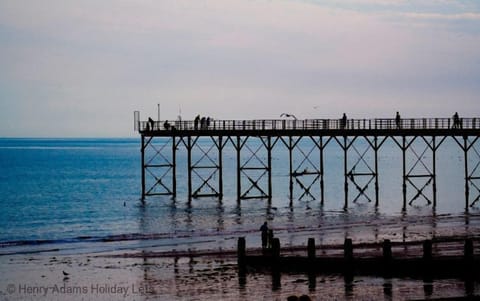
[[437, 16], [87, 66]]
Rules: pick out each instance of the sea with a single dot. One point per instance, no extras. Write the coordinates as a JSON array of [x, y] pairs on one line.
[[83, 196]]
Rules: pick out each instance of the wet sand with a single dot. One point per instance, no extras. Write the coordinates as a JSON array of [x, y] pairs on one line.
[[206, 272]]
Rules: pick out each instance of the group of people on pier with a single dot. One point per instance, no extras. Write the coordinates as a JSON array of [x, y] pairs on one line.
[[204, 122]]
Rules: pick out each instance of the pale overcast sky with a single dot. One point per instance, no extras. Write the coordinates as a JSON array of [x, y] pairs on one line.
[[80, 68]]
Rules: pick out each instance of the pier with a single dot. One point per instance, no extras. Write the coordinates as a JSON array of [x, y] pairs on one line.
[[255, 143]]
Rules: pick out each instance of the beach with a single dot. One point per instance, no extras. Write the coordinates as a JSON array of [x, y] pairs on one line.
[[206, 272]]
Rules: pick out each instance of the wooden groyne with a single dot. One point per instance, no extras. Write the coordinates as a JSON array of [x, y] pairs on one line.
[[384, 264]]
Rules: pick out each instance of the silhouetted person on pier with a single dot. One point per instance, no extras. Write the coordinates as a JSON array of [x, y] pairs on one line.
[[264, 229], [456, 121], [196, 121], [207, 122], [150, 124], [398, 120], [202, 123], [166, 125], [343, 121]]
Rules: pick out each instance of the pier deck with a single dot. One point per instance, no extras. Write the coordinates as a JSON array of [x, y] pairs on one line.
[[306, 127]]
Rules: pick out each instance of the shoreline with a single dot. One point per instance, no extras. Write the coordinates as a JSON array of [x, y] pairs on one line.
[[207, 268]]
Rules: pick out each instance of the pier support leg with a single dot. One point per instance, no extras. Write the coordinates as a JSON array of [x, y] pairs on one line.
[[322, 184], [189, 172], [345, 172], [143, 168], [238, 148], [467, 187], [269, 167], [290, 159], [434, 175], [174, 168], [404, 186], [376, 147], [220, 167]]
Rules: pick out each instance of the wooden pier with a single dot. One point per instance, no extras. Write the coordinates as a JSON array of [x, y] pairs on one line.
[[161, 140]]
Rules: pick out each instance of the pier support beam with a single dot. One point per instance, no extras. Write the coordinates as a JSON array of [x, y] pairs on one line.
[[158, 166], [205, 167], [421, 170], [364, 167], [472, 174], [252, 166], [142, 150], [305, 168]]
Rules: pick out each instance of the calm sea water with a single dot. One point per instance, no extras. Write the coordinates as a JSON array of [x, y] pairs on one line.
[[64, 191]]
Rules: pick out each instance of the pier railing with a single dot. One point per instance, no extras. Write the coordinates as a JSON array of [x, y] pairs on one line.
[[310, 124]]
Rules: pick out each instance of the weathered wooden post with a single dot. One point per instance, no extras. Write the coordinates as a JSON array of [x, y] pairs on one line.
[[387, 257], [348, 262], [427, 261], [427, 250], [241, 259], [312, 278], [311, 249], [348, 249], [469, 269], [468, 250], [241, 252], [387, 250], [276, 277], [276, 249]]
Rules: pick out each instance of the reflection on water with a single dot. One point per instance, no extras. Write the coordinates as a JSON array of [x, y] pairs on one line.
[[216, 276], [211, 278]]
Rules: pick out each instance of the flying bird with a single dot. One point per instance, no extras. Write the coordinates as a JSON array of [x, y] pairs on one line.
[[288, 115]]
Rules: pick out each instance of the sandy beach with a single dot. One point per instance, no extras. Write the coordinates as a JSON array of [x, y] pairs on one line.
[[209, 273]]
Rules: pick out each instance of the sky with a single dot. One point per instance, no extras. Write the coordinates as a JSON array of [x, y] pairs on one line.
[[81, 68]]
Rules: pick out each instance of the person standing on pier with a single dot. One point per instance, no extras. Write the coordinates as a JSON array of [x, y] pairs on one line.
[[264, 229], [343, 121], [398, 120], [196, 121], [456, 121], [150, 124]]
